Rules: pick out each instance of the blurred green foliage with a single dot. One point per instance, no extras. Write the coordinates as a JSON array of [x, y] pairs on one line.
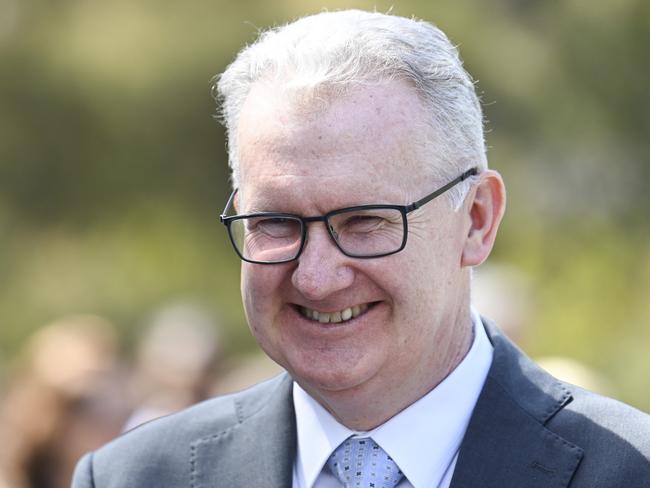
[[113, 171]]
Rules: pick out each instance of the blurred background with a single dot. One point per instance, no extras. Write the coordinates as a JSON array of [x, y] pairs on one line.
[[119, 293]]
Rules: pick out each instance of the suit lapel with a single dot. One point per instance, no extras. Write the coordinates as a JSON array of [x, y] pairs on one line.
[[258, 451], [507, 443]]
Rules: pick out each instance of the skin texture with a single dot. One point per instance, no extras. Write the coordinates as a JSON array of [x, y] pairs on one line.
[[360, 149]]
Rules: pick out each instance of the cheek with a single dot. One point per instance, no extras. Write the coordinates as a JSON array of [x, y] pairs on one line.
[[423, 283], [414, 274], [260, 293], [260, 288]]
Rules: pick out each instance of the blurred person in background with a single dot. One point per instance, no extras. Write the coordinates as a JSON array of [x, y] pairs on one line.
[[67, 396], [362, 201], [175, 363]]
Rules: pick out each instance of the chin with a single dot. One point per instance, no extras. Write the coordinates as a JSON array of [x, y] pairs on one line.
[[332, 380], [328, 357]]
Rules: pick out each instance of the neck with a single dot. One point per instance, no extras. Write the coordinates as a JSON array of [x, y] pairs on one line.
[[367, 406]]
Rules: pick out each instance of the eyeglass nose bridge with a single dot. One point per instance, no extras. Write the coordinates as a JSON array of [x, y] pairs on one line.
[[328, 226]]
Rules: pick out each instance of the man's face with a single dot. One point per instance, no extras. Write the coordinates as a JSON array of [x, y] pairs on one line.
[[358, 150]]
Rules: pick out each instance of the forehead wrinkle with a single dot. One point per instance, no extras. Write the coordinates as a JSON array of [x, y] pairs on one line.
[[300, 194], [300, 189], [350, 169], [289, 153]]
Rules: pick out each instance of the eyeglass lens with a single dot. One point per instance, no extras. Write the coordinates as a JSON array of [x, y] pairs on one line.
[[362, 233]]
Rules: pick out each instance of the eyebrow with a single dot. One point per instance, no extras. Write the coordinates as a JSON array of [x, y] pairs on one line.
[[260, 208]]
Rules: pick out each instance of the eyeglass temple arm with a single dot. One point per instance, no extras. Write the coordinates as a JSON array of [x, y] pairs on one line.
[[228, 205], [437, 193], [413, 206]]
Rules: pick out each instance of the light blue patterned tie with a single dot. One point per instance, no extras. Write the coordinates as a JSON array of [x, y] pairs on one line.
[[360, 462]]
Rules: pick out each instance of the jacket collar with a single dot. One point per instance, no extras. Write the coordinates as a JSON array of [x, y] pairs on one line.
[[507, 443], [258, 450]]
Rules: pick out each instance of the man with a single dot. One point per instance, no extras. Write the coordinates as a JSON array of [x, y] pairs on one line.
[[362, 201]]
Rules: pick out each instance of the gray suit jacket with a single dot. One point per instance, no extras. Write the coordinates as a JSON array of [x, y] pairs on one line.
[[528, 430]]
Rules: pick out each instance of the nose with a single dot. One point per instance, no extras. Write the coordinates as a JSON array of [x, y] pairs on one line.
[[322, 268]]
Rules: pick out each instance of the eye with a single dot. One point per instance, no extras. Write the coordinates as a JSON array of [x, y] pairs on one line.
[[363, 223], [274, 227]]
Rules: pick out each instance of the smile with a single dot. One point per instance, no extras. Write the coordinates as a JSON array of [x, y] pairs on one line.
[[334, 317]]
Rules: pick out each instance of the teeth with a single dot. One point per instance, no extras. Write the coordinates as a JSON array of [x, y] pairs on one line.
[[334, 317]]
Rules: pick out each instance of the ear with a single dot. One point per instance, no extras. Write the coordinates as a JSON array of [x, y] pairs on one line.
[[484, 209]]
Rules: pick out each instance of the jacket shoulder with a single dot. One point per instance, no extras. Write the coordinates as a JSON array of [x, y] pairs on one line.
[[589, 413], [159, 451], [612, 438], [615, 438]]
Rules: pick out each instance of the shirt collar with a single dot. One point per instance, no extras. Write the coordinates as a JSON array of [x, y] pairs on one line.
[[437, 422]]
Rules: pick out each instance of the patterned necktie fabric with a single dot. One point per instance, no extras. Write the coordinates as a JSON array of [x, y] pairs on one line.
[[361, 463]]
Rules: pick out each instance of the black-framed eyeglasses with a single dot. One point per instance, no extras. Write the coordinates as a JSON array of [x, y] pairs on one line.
[[364, 232]]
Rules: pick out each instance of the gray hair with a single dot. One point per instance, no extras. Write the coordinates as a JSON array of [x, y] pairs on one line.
[[333, 51]]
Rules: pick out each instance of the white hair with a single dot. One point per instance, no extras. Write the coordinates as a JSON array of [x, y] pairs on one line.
[[333, 51]]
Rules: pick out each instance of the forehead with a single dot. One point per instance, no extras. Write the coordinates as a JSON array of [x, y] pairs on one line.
[[369, 140]]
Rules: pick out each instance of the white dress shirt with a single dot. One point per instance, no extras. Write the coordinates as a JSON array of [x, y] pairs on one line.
[[435, 424]]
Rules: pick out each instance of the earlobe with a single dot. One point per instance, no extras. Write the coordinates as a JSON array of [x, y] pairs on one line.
[[484, 214]]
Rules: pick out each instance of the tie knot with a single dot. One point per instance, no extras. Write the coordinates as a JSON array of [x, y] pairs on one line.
[[360, 462]]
